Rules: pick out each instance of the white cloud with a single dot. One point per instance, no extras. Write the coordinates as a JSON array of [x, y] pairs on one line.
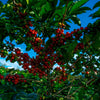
[[96, 57], [10, 65], [56, 65], [15, 65], [75, 56]]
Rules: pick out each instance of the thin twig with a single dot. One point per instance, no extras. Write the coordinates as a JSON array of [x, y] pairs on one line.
[[69, 90], [92, 95], [78, 58], [65, 12], [82, 86], [62, 90]]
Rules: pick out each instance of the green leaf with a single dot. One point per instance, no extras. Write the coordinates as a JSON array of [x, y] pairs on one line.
[[3, 82], [2, 71], [32, 12], [96, 14], [86, 39], [76, 12], [67, 26], [11, 38], [76, 20], [70, 4], [96, 5], [71, 47], [28, 47], [27, 2], [53, 3], [70, 78], [68, 20], [39, 91], [61, 98], [84, 8], [96, 96], [45, 8], [57, 85], [8, 27], [77, 5], [96, 45], [59, 13], [1, 91], [1, 4]]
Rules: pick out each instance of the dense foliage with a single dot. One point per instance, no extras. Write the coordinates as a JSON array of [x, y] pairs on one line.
[[16, 20]]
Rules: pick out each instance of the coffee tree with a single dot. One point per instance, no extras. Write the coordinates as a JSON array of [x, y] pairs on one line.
[[17, 20]]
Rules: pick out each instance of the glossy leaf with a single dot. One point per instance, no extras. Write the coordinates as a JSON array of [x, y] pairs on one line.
[[8, 27], [45, 8], [61, 98], [63, 2], [77, 12], [76, 20], [84, 8], [80, 10], [58, 13], [78, 4], [27, 1], [3, 82]]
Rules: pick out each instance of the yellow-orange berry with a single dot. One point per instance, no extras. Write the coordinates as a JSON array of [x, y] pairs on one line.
[[19, 4], [59, 23]]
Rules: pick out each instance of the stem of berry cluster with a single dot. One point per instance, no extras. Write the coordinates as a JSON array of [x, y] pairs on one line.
[[71, 67], [50, 89], [65, 12]]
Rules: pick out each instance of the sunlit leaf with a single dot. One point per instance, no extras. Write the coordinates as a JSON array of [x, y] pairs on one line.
[[45, 8], [76, 20], [27, 1], [78, 4], [3, 82], [61, 98]]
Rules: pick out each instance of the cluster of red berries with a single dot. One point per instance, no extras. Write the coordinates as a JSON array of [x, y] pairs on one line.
[[64, 76], [13, 78], [22, 15], [60, 33], [31, 33], [1, 53], [46, 60], [79, 46], [1, 77], [62, 25], [36, 42], [12, 57], [25, 58], [27, 25], [18, 52], [68, 35]]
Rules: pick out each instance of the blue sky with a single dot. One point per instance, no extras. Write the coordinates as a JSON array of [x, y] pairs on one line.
[[84, 18]]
